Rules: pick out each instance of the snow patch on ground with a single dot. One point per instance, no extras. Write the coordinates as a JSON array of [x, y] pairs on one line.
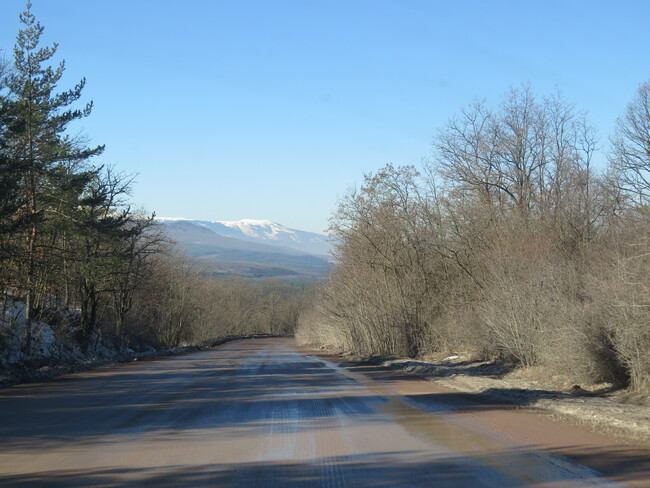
[[54, 351]]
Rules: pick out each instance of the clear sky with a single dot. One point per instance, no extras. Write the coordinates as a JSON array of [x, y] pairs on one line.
[[271, 109]]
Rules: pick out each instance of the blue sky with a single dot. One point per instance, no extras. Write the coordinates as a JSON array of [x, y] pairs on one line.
[[272, 109]]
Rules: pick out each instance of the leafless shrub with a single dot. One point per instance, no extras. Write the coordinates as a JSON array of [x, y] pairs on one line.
[[621, 290], [318, 329], [517, 301]]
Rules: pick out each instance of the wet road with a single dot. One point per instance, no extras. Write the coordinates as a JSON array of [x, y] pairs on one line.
[[262, 413]]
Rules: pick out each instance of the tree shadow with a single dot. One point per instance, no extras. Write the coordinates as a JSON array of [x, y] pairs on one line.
[[181, 395], [393, 469], [174, 398]]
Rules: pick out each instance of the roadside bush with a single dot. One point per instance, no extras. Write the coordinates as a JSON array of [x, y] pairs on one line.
[[621, 291], [317, 329], [521, 304]]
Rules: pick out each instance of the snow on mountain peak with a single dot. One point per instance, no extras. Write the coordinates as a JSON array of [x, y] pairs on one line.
[[172, 219], [247, 223], [266, 231], [257, 228]]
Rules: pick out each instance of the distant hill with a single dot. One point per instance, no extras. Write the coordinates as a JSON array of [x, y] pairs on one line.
[[253, 249], [265, 232]]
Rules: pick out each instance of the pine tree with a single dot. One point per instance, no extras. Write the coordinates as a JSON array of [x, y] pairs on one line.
[[51, 167], [9, 184], [104, 228]]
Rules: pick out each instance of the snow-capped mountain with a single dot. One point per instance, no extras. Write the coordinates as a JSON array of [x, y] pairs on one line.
[[265, 232], [251, 248]]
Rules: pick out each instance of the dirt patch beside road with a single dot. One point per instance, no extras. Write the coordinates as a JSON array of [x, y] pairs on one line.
[[600, 412]]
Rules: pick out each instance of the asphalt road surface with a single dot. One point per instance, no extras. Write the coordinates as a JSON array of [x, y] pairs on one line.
[[265, 413]]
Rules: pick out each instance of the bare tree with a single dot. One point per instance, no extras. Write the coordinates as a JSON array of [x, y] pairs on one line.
[[630, 156], [526, 158]]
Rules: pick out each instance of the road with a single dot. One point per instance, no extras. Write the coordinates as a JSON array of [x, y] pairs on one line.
[[265, 413]]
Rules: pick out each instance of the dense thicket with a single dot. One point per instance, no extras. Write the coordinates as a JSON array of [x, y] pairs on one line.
[[75, 256], [179, 304], [507, 243]]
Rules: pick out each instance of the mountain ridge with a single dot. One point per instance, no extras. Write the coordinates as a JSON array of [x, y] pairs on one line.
[[264, 231], [251, 248]]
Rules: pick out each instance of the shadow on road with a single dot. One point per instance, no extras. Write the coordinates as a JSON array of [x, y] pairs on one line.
[[387, 470], [179, 398]]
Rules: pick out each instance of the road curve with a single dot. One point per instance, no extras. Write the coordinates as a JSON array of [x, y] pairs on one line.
[[264, 413]]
